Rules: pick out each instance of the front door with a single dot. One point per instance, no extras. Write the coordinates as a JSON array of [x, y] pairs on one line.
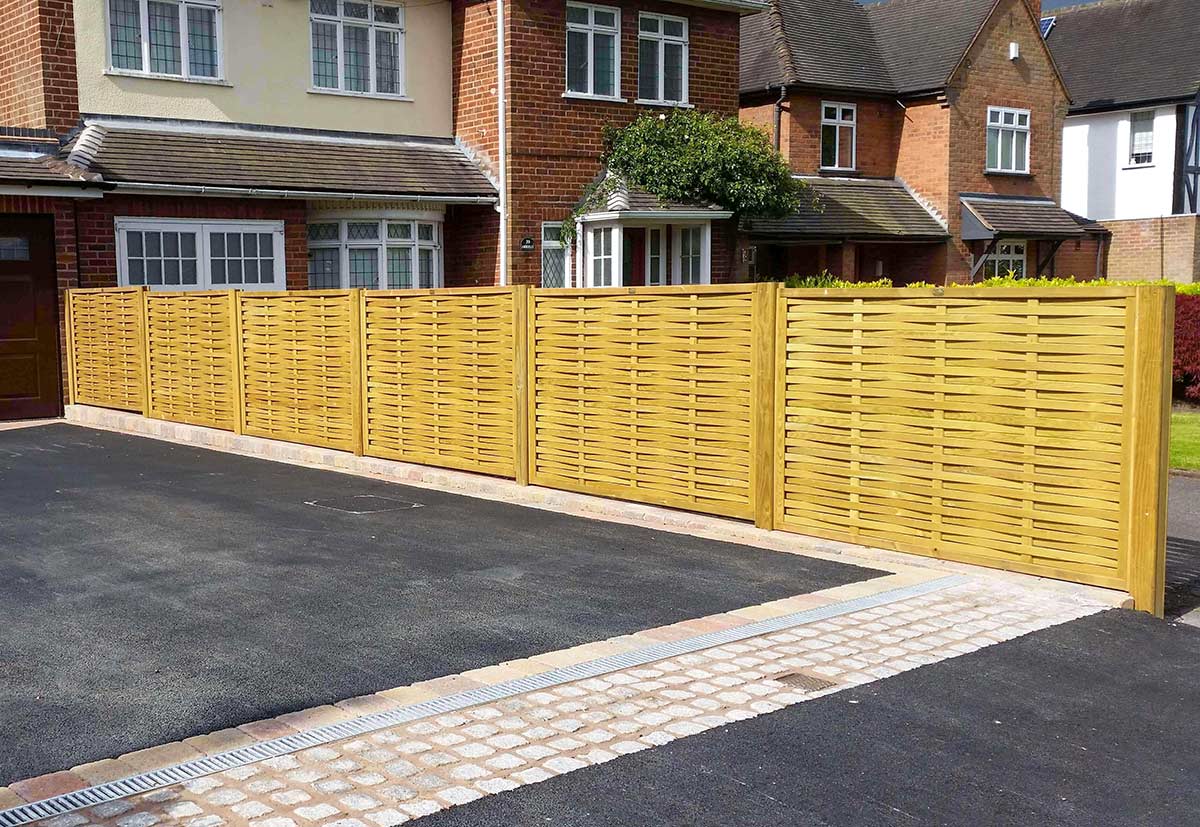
[[29, 372]]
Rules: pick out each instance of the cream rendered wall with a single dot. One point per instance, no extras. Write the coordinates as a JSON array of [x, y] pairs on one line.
[[267, 74]]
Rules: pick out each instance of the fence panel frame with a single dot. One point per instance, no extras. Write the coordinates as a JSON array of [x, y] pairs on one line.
[[138, 346]]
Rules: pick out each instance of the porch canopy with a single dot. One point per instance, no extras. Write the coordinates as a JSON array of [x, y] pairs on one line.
[[845, 210], [996, 218], [265, 162]]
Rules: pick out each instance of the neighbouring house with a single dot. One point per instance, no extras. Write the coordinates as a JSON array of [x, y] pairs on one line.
[[1131, 141], [573, 68], [197, 144], [929, 131]]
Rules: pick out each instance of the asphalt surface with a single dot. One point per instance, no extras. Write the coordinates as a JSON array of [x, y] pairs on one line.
[[150, 591], [1088, 723], [1183, 549]]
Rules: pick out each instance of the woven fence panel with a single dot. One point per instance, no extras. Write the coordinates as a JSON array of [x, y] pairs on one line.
[[645, 395], [298, 367], [439, 378], [193, 370], [980, 426], [108, 361]]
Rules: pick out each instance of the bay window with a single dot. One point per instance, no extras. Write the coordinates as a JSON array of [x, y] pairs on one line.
[[662, 59], [357, 47], [602, 261], [1007, 140], [169, 38], [185, 254], [670, 254], [395, 253], [593, 50]]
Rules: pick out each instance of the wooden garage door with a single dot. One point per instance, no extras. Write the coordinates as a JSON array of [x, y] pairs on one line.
[[29, 366]]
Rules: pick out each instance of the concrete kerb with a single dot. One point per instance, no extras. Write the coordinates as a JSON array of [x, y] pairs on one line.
[[563, 502]]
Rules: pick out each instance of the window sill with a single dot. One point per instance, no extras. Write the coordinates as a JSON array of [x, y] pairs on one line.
[[123, 73], [584, 97], [844, 172], [1006, 174], [666, 104], [1139, 166], [342, 93]]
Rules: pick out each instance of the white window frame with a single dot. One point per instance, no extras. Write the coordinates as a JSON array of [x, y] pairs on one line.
[[1006, 254], [381, 243], [1132, 162], [662, 39], [551, 243], [185, 61], [840, 124], [202, 228], [592, 29], [657, 276], [1008, 132], [616, 254], [705, 231], [339, 21]]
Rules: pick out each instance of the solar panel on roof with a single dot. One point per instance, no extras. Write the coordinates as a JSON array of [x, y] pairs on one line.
[[1047, 25]]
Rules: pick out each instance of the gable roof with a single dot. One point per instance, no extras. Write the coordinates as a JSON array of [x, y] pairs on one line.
[[1119, 53], [898, 47]]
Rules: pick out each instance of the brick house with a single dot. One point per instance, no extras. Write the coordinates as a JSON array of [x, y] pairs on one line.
[[1131, 141], [192, 144], [930, 131]]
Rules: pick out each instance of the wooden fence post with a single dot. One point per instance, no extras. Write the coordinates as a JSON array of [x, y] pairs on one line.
[[1149, 351], [235, 355], [521, 389], [358, 388], [762, 405], [144, 304], [71, 387]]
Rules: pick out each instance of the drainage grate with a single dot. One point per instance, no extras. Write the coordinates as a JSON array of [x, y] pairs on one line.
[[363, 504], [804, 680], [146, 782]]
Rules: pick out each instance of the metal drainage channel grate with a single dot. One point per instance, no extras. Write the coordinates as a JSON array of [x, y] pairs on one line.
[[149, 781]]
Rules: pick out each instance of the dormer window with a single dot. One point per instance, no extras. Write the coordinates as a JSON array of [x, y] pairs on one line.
[[839, 128], [165, 38], [357, 47]]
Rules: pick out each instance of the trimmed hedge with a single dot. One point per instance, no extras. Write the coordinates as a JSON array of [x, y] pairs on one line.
[[1187, 346]]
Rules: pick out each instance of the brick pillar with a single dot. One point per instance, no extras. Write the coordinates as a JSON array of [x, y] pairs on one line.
[[38, 88]]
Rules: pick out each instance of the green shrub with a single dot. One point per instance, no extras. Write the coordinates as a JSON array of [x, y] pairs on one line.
[[826, 279]]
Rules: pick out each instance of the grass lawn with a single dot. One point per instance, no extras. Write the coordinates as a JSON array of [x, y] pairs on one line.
[[1185, 441]]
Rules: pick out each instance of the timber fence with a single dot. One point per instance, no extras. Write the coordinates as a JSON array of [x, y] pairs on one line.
[[1019, 429]]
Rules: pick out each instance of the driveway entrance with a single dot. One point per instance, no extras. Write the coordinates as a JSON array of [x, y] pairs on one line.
[[29, 365]]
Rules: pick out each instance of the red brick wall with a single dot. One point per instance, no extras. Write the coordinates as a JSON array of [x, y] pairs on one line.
[[555, 142], [471, 238], [878, 128], [989, 78], [1155, 248], [1074, 258], [98, 241], [37, 64]]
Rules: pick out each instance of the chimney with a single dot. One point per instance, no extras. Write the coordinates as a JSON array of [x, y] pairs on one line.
[[1036, 5]]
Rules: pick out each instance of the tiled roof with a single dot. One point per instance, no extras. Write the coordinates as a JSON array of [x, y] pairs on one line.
[[272, 161], [854, 209], [1126, 52], [897, 47], [1007, 217], [621, 197], [34, 161]]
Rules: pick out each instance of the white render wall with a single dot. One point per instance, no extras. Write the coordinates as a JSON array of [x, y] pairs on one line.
[[1097, 179]]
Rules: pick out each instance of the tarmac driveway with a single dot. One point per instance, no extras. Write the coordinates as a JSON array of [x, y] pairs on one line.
[[149, 591]]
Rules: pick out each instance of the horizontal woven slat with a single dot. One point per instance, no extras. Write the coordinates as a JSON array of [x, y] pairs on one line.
[[193, 376], [439, 378], [298, 367], [645, 395], [982, 427], [109, 369]]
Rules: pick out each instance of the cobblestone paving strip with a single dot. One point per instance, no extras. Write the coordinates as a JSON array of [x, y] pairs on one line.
[[399, 774]]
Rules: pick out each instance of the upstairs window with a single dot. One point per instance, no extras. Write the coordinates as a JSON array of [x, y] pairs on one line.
[[1007, 140], [593, 50], [357, 47], [662, 59], [839, 128], [171, 38], [1141, 139]]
